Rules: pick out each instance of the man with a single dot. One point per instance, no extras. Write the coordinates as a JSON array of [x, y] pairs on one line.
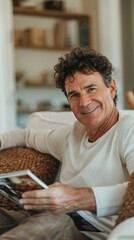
[[97, 153]]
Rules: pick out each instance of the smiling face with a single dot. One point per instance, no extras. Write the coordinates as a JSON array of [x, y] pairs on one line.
[[90, 99]]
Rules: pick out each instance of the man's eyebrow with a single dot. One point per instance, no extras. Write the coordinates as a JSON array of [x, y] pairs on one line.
[[71, 92], [89, 86]]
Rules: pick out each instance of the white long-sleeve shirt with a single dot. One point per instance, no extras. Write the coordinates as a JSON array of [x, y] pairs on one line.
[[103, 165]]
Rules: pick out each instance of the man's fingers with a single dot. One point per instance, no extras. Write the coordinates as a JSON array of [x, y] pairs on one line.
[[36, 193]]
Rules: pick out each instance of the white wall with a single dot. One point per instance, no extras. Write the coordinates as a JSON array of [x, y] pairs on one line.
[[7, 88], [110, 40], [128, 43]]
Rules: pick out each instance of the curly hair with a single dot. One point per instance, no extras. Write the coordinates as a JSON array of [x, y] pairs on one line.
[[82, 60]]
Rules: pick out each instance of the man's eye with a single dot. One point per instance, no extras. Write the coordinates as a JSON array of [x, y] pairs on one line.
[[92, 89], [73, 95]]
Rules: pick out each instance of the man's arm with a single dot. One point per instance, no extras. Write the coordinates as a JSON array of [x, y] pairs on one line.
[[45, 141], [13, 139], [103, 201], [109, 198], [25, 137]]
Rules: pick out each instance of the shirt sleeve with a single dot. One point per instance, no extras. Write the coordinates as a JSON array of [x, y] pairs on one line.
[[45, 141], [109, 199], [12, 139]]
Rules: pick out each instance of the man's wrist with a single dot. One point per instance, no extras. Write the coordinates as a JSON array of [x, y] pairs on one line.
[[86, 200]]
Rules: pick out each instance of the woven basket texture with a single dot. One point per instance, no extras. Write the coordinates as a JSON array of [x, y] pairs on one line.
[[42, 165], [127, 207]]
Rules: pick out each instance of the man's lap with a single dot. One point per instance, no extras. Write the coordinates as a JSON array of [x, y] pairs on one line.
[[39, 226]]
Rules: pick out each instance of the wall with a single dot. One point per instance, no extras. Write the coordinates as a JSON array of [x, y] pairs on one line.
[[127, 10], [7, 87], [110, 40]]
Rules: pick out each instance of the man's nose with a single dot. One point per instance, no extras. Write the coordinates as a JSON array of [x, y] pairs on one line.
[[84, 100]]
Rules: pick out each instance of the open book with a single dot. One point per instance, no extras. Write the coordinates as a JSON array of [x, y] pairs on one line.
[[13, 184], [85, 221]]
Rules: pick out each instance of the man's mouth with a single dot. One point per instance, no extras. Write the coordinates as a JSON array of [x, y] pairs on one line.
[[89, 111]]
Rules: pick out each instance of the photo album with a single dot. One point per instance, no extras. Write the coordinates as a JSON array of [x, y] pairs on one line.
[[13, 184]]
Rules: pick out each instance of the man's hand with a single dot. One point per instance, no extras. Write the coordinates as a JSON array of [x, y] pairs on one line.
[[59, 198]]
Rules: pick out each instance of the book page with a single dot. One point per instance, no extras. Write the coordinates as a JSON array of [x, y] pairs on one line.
[[84, 224], [12, 187]]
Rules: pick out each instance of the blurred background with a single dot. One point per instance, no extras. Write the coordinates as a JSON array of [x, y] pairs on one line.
[[34, 33]]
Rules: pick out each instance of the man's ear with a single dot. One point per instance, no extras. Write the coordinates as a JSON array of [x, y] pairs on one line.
[[112, 88]]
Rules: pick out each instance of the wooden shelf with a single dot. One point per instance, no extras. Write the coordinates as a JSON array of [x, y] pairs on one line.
[[42, 48], [50, 13], [23, 110], [80, 17]]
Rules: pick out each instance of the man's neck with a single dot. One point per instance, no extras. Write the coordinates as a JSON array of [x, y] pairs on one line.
[[113, 118]]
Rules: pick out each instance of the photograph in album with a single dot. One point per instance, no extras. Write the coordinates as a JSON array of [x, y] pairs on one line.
[[13, 184]]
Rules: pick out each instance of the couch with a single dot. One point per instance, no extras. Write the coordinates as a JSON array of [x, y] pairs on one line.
[[39, 120], [39, 163]]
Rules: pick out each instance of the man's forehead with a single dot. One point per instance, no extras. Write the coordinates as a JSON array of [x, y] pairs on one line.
[[82, 75]]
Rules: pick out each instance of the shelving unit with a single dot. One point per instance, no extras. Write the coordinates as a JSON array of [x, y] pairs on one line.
[[50, 13], [62, 15], [44, 52]]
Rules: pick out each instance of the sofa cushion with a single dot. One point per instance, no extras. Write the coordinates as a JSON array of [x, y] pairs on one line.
[[52, 120], [42, 165]]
